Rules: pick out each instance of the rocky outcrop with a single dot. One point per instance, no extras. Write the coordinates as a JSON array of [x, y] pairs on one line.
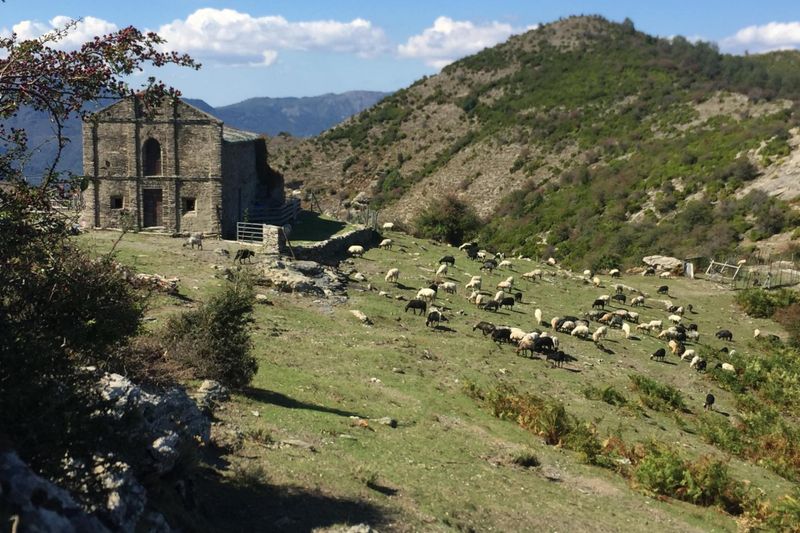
[[663, 262], [306, 277]]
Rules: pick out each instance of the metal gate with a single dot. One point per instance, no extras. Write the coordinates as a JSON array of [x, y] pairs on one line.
[[249, 232]]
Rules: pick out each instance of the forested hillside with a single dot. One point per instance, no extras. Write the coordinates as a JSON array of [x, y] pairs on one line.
[[583, 135]]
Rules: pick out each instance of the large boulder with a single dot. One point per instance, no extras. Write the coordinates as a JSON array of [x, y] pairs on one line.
[[664, 262]]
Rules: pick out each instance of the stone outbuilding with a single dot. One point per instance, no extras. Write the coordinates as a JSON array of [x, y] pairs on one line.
[[177, 170]]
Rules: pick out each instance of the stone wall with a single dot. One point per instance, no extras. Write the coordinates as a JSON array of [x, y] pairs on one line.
[[331, 251]]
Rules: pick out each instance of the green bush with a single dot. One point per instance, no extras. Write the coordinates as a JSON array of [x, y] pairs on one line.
[[609, 394], [214, 340], [447, 219], [657, 396], [761, 303]]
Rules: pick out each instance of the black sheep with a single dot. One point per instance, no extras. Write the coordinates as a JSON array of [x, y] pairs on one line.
[[434, 317], [508, 301], [557, 356], [485, 327], [599, 303], [472, 253], [692, 327], [650, 271], [619, 297], [489, 265], [659, 354], [491, 305], [518, 297], [501, 335], [543, 345], [417, 304], [724, 334], [449, 259], [664, 289], [701, 366], [242, 254], [709, 402]]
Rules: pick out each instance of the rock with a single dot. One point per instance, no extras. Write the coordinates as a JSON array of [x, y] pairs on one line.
[[397, 370], [227, 439], [387, 421], [362, 198], [664, 262], [358, 276], [263, 298], [305, 277], [361, 316], [210, 394], [39, 504], [384, 294], [164, 451]]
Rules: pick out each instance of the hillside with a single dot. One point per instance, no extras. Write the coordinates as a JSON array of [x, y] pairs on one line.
[[300, 117], [582, 135], [484, 439]]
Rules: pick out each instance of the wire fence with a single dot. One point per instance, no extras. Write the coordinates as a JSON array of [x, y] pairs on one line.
[[766, 270]]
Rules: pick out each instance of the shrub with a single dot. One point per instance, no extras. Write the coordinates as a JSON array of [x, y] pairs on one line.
[[609, 394], [761, 303], [789, 318], [448, 219], [657, 396], [214, 340], [525, 459]]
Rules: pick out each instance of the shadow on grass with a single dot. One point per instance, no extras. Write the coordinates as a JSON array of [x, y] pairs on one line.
[[311, 227], [281, 400], [253, 505]]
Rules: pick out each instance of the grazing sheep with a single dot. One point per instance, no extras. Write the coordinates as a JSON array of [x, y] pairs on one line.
[[518, 297], [537, 314], [665, 275], [619, 287], [580, 331], [695, 360], [614, 273], [428, 295], [658, 355], [596, 281], [637, 301], [393, 275], [388, 226], [656, 324], [533, 274], [626, 329], [649, 271], [664, 289], [606, 318], [489, 265], [724, 334], [555, 355], [554, 322], [527, 344], [727, 367], [195, 239], [633, 316], [485, 327], [504, 285], [442, 270], [448, 259], [508, 301], [693, 335], [386, 244], [688, 354], [505, 263], [242, 254], [499, 295], [675, 319], [517, 335], [676, 347], [643, 327], [566, 326], [468, 245], [709, 402], [417, 304], [701, 366], [619, 298], [473, 284], [491, 305], [501, 335], [599, 304], [544, 344], [599, 333], [356, 250], [434, 317], [594, 314], [449, 287]]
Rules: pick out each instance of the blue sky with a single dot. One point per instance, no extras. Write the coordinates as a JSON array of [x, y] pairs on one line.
[[255, 48]]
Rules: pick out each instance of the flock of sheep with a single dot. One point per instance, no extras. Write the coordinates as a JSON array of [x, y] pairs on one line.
[[608, 311]]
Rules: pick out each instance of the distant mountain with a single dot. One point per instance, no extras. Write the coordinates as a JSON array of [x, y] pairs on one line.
[[300, 117]]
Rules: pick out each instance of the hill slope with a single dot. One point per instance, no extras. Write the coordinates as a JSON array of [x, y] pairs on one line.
[[572, 133]]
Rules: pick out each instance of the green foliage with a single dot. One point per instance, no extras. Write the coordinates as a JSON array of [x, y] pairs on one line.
[[447, 219], [608, 394], [761, 303], [789, 318], [214, 340], [704, 482], [657, 396], [525, 459]]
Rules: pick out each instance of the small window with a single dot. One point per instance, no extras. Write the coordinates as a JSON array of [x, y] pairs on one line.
[[187, 205], [116, 202]]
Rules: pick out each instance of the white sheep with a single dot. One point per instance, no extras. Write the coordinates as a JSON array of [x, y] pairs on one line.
[[568, 326], [695, 359], [665, 275], [499, 295], [633, 316], [580, 331], [442, 270], [533, 274], [554, 322], [356, 250], [471, 298], [481, 299], [637, 301], [614, 273], [393, 275], [449, 287], [596, 281], [643, 327], [656, 324], [505, 263], [675, 319], [517, 335], [386, 244], [626, 329], [473, 284], [599, 333], [537, 314], [195, 239], [426, 295], [388, 226], [727, 367], [688, 354]]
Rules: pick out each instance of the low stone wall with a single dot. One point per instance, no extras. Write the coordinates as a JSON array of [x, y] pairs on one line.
[[331, 251]]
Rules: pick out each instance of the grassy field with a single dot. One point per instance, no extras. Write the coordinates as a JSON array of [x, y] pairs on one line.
[[315, 455]]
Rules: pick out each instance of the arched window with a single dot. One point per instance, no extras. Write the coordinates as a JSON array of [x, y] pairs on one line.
[[152, 157]]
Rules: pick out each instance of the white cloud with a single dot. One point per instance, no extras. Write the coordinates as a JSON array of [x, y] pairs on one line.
[[86, 29], [448, 40], [226, 35], [764, 38]]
